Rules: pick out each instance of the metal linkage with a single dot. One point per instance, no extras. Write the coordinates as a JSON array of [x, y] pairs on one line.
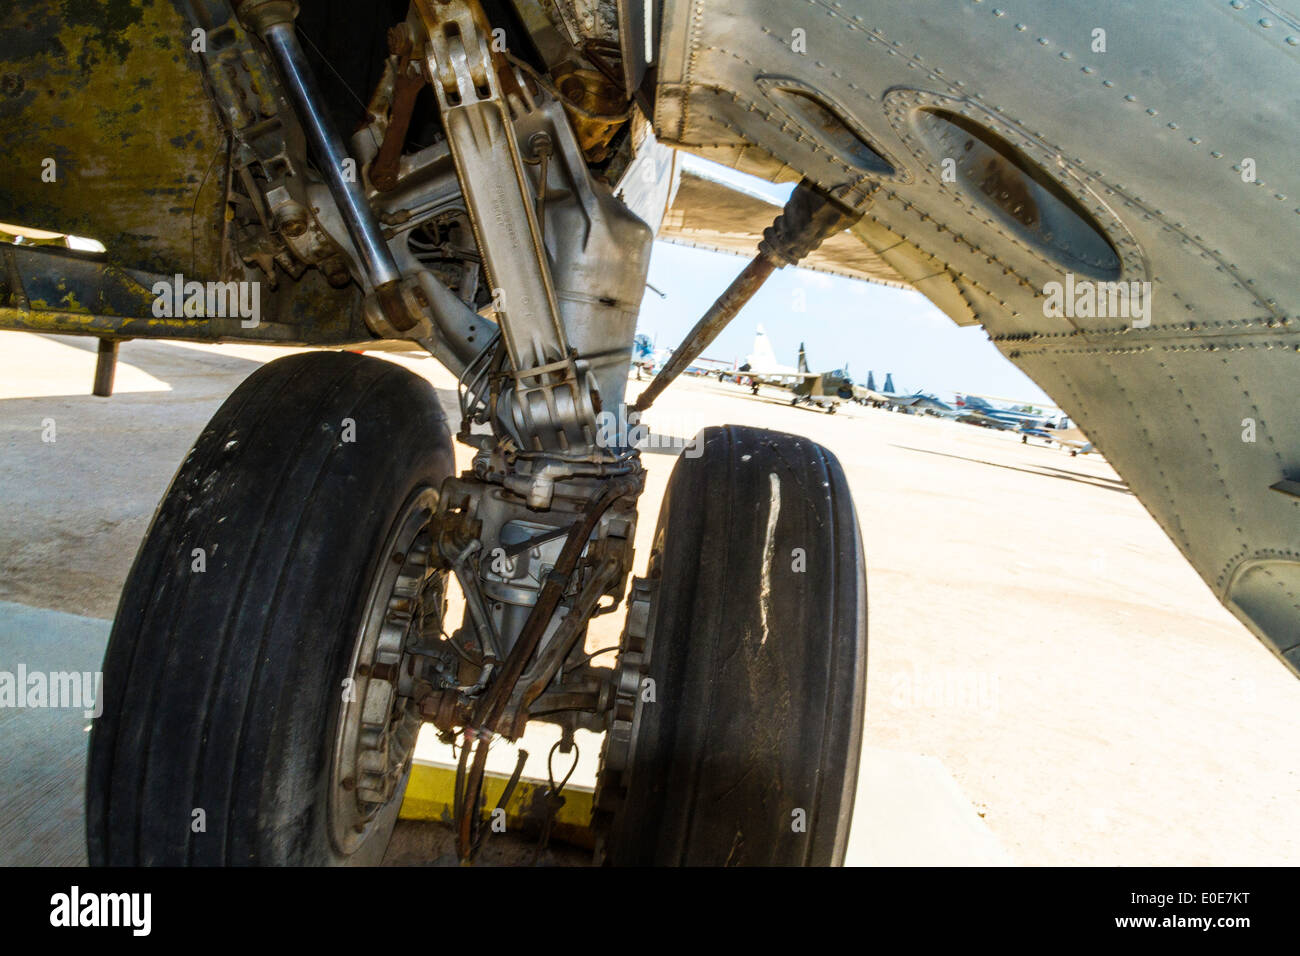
[[331, 155], [406, 81], [540, 530], [809, 218], [273, 20], [490, 711], [565, 295], [499, 197]]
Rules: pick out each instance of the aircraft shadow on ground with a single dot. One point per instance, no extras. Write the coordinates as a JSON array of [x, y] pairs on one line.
[[1094, 480], [160, 360], [171, 365]]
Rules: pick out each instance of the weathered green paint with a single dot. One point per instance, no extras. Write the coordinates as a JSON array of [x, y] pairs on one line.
[[44, 317], [110, 91], [47, 289]]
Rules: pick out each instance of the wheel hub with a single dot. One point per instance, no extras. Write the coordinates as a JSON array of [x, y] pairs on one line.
[[379, 719], [633, 663]]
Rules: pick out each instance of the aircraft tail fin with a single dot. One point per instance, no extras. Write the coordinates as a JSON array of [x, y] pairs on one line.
[[763, 356], [889, 382], [803, 359]]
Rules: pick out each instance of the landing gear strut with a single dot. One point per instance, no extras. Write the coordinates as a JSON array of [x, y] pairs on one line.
[[284, 632]]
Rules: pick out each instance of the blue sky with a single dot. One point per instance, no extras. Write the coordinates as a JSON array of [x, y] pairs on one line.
[[870, 327]]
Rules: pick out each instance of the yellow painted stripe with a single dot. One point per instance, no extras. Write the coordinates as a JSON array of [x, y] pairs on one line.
[[430, 795]]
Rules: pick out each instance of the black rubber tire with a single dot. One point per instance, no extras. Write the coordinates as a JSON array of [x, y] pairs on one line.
[[221, 689], [758, 704]]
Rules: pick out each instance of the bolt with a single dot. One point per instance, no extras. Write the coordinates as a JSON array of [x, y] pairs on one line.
[[294, 224]]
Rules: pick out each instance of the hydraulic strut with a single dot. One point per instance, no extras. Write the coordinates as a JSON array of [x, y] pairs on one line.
[[809, 218], [273, 20]]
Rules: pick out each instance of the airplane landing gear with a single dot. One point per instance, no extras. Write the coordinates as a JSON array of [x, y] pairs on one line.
[[281, 636]]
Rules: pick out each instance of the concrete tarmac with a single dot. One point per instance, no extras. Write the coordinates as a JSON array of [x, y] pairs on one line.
[[1049, 681]]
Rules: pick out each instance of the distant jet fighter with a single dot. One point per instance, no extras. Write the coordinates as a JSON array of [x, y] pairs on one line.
[[978, 410], [920, 402], [1071, 439], [822, 389], [910, 403], [870, 395], [762, 368]]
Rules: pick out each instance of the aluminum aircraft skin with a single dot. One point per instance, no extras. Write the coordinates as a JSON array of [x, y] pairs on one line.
[[1005, 151], [1108, 189]]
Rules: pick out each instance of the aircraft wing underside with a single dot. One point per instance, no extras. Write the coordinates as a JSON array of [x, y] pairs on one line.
[[1142, 148], [708, 214]]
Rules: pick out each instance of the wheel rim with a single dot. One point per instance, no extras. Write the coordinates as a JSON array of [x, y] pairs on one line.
[[378, 719]]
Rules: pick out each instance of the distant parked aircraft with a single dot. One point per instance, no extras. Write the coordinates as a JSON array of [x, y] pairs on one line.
[[822, 389], [1008, 416]]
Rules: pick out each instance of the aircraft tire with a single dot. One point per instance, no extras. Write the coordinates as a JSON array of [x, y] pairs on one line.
[[750, 682], [238, 638]]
